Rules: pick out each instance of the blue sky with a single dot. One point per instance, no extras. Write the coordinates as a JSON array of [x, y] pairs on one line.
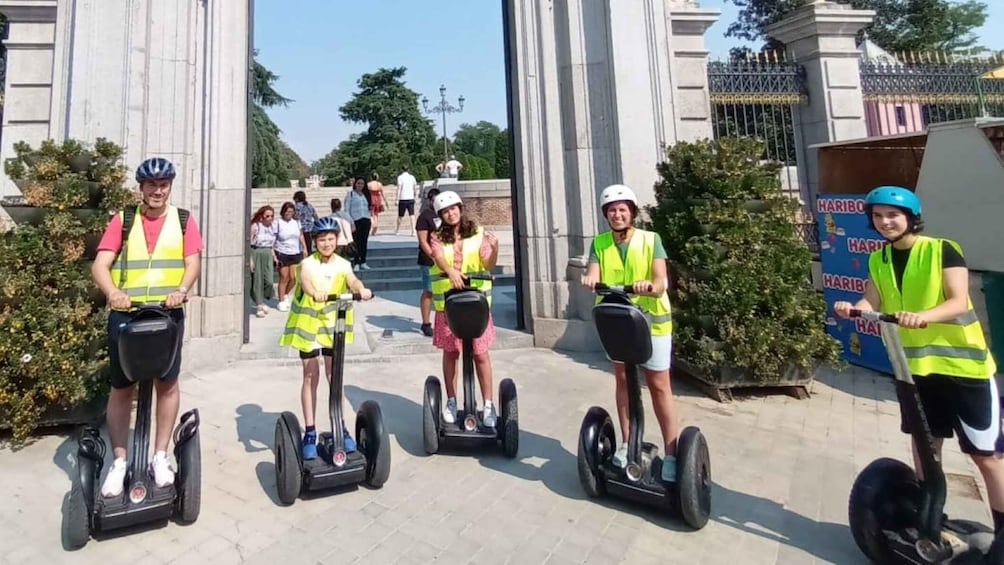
[[320, 48]]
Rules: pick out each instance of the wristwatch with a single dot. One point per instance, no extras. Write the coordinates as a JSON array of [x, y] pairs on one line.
[[183, 290]]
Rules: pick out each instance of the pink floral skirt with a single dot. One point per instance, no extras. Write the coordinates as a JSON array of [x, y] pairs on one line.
[[444, 339]]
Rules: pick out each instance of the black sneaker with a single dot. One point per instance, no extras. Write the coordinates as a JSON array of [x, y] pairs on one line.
[[427, 330]]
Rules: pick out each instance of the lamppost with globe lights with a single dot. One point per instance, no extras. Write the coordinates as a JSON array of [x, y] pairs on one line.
[[443, 108]]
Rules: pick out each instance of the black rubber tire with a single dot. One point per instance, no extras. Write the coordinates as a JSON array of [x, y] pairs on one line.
[[510, 418], [693, 478], [77, 526], [188, 484], [884, 496], [374, 443], [288, 450], [596, 443], [432, 397]]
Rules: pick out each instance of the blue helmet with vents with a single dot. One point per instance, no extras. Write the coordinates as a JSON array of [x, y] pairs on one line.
[[155, 168], [325, 225]]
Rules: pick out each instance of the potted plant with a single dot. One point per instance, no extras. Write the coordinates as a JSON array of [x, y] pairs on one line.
[[744, 311]]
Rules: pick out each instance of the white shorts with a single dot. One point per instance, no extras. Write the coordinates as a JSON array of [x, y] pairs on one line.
[[662, 354]]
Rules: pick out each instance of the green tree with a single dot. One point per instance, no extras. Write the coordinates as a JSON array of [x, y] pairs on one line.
[[478, 139], [475, 167], [899, 26], [503, 167], [273, 163]]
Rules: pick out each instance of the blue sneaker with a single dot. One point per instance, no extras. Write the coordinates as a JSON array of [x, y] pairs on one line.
[[350, 444], [669, 469], [310, 445]]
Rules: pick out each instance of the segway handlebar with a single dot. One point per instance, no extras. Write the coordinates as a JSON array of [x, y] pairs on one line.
[[345, 297], [135, 305], [471, 277], [873, 316], [601, 288]]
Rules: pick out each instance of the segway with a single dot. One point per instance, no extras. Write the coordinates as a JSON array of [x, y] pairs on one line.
[[147, 348], [894, 517], [626, 337], [333, 466], [467, 313]]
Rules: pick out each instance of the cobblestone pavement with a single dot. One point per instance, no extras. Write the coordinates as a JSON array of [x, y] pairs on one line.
[[782, 470]]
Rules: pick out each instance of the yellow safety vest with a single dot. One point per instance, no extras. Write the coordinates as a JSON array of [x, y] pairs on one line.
[[639, 258], [151, 277], [472, 265], [311, 324], [956, 348]]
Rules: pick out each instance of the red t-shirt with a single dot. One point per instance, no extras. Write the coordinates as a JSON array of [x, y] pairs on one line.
[[112, 238]]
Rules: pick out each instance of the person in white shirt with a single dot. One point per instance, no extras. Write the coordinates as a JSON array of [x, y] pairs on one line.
[[453, 167], [406, 188]]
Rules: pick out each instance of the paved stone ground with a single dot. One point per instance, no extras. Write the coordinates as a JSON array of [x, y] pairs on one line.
[[782, 470]]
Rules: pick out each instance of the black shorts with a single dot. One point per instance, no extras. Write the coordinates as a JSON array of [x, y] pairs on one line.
[[116, 321], [326, 351], [405, 205], [288, 260], [969, 407]]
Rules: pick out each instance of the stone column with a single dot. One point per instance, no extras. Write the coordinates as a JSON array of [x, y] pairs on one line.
[[28, 93], [821, 36], [594, 104], [688, 24]]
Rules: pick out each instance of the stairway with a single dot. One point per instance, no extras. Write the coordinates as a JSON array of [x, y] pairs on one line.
[[394, 266]]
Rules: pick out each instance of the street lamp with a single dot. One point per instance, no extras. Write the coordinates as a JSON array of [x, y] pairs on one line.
[[443, 108]]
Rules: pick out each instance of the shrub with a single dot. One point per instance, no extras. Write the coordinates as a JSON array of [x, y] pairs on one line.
[[742, 297], [52, 330]]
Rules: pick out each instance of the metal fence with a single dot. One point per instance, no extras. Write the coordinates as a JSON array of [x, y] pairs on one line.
[[918, 90], [755, 97]]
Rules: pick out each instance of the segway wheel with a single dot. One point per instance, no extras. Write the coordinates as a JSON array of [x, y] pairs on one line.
[[693, 476], [77, 526], [884, 497], [189, 480], [509, 430], [431, 406], [596, 444], [371, 436], [288, 451]]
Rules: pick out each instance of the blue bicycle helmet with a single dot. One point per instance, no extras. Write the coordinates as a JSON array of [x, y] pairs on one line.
[[155, 168], [325, 225], [894, 196]]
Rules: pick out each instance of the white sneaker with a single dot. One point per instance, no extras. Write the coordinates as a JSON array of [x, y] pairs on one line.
[[450, 411], [488, 416], [355, 268], [284, 306], [115, 480], [366, 267], [621, 455], [160, 467]]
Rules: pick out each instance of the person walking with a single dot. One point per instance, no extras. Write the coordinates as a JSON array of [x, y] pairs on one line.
[[426, 225], [306, 215], [263, 259], [357, 204], [376, 201], [406, 194]]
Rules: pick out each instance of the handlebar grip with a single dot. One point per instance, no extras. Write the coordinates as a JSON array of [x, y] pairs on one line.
[[470, 276], [876, 316], [346, 297], [629, 290]]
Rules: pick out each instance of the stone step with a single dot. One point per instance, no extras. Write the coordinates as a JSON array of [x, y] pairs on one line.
[[415, 283]]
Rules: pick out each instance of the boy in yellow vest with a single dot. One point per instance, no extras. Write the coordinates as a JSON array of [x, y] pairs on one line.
[[924, 282], [636, 258], [155, 233], [311, 323]]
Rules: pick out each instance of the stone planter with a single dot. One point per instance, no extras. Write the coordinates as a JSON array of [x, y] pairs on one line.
[[756, 205], [31, 159], [719, 382], [80, 163], [21, 213], [95, 192]]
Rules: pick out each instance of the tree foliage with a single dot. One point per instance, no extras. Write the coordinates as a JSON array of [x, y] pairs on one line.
[[396, 132], [273, 162], [899, 26]]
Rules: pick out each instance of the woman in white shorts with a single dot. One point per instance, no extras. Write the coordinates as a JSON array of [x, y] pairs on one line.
[[636, 258]]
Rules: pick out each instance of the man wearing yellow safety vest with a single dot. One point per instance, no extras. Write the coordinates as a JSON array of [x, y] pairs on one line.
[[147, 255], [636, 258], [924, 282]]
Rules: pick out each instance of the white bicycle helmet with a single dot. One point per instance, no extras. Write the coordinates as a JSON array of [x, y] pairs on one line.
[[617, 193], [446, 199]]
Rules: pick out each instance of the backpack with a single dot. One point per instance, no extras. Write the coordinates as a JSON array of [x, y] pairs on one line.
[[128, 219]]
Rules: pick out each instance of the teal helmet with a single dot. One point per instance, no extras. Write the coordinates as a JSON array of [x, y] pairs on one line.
[[898, 197]]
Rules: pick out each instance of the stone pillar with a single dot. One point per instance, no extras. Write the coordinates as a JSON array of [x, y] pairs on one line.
[[594, 104], [29, 90], [688, 24], [821, 36]]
